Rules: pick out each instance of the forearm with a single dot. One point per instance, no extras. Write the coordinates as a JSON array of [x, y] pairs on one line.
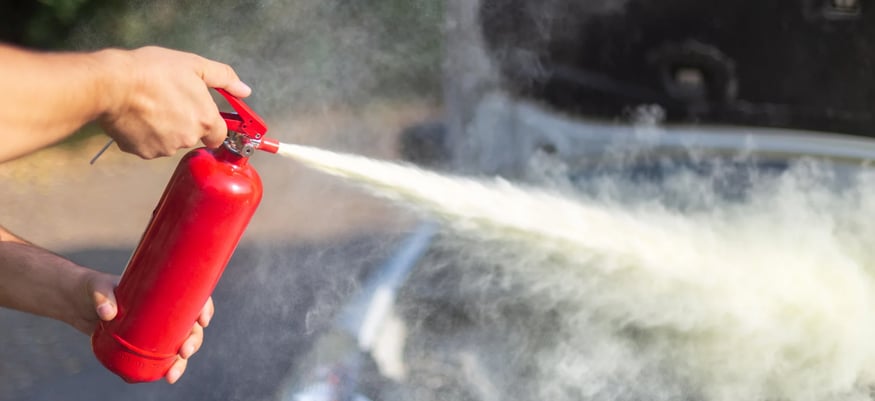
[[36, 281], [151, 101], [47, 96]]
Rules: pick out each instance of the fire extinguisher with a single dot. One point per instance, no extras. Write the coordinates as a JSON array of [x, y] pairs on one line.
[[193, 232]]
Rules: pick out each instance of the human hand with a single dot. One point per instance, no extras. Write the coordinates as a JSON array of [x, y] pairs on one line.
[[157, 100], [98, 303]]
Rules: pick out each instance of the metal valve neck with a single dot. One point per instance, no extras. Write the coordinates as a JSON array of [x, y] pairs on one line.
[[240, 144]]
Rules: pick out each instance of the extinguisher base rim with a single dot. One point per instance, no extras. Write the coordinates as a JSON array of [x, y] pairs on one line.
[[127, 361]]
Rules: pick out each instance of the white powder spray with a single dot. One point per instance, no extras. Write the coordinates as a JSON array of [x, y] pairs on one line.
[[768, 297]]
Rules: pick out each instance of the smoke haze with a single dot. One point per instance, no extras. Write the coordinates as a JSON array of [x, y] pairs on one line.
[[762, 293]]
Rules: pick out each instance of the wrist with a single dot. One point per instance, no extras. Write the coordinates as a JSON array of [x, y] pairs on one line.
[[73, 292], [112, 76]]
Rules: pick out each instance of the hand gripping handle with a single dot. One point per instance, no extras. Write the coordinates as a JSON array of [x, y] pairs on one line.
[[244, 122]]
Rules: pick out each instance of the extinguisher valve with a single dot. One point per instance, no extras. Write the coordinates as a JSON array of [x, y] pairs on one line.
[[245, 129], [240, 144]]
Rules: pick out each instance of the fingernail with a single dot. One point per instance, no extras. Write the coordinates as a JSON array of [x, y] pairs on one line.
[[239, 88], [104, 310], [207, 320]]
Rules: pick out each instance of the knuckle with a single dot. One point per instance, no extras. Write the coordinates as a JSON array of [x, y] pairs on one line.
[[189, 141], [198, 341], [221, 72], [208, 129], [166, 152], [215, 126], [198, 63], [207, 122], [229, 71], [124, 146]]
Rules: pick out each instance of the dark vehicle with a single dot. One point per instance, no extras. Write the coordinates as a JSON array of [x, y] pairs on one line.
[[539, 88]]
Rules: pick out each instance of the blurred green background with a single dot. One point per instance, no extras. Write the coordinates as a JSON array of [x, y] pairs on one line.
[[45, 24], [300, 54]]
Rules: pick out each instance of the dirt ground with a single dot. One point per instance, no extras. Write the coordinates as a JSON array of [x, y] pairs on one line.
[[301, 255], [54, 198]]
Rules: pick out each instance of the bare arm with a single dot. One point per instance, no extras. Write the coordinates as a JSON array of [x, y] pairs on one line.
[[36, 281], [46, 97], [152, 101]]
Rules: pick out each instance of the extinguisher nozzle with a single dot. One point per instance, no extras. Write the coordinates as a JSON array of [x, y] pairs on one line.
[[269, 145]]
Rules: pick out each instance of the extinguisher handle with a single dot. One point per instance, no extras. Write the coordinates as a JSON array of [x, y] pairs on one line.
[[244, 121]]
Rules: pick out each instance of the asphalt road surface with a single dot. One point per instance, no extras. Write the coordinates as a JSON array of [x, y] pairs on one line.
[[271, 303]]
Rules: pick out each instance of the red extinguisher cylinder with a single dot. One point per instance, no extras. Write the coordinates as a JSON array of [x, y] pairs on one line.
[[194, 230]]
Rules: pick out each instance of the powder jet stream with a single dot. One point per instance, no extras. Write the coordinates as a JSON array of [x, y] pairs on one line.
[[768, 297]]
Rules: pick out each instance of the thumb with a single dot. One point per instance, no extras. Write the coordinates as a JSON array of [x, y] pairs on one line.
[[104, 298], [219, 75]]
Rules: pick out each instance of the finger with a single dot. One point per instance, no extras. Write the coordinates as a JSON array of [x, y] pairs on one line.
[[216, 133], [193, 343], [220, 75], [103, 296], [176, 371], [207, 313]]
